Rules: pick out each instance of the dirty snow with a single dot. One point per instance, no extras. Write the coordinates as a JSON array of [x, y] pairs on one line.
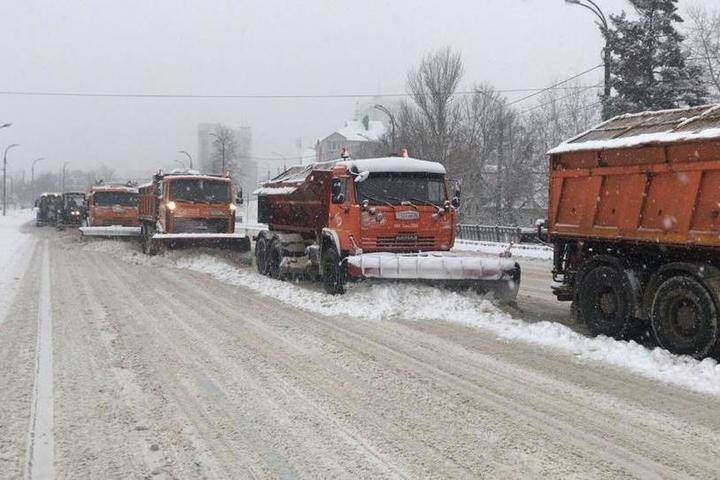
[[382, 301], [15, 253]]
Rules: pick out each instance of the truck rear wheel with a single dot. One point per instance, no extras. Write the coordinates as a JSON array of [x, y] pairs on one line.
[[334, 276], [274, 259], [261, 255], [604, 302], [684, 317]]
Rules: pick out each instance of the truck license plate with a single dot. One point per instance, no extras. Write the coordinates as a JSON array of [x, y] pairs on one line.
[[407, 215]]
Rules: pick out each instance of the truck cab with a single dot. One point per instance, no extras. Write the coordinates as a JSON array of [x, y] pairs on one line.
[[112, 205]]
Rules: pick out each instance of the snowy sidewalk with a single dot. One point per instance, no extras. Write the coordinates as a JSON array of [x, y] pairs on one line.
[[15, 251]]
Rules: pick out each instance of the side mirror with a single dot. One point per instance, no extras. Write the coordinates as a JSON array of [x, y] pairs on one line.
[[239, 200], [338, 193], [455, 202]]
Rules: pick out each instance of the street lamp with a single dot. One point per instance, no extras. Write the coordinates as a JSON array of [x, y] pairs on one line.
[[387, 112], [5, 176], [602, 23], [188, 156], [65, 164], [5, 125], [32, 170]]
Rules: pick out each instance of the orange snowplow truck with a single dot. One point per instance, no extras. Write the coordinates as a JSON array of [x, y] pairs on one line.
[[112, 211], [188, 209], [389, 218], [634, 216]]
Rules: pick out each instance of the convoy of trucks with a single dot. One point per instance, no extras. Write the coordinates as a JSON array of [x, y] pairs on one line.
[[634, 218]]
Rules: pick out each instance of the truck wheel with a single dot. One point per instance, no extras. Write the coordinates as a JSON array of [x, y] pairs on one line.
[[684, 317], [604, 302], [149, 246], [274, 259], [334, 276], [261, 255]]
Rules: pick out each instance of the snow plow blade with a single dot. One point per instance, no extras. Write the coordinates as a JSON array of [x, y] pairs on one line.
[[114, 231], [497, 275], [234, 241]]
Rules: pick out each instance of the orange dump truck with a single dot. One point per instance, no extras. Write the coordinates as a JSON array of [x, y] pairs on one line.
[[112, 211], [390, 218], [634, 216], [188, 209]]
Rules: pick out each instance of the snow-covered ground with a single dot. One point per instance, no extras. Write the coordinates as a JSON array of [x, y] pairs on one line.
[[520, 250], [382, 301], [15, 250]]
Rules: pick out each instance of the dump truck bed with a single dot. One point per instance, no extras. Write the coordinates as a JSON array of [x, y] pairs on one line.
[[644, 178]]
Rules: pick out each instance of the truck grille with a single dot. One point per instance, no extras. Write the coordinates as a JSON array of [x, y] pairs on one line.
[[403, 242], [200, 225]]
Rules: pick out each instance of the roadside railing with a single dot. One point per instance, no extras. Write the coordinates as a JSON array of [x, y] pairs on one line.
[[493, 233]]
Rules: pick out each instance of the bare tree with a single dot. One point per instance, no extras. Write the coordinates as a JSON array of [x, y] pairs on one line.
[[432, 86], [704, 41], [224, 156]]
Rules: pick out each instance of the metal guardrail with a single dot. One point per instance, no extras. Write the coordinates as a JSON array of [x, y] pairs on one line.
[[490, 233]]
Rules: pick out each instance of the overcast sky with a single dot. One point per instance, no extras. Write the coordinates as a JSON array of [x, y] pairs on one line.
[[267, 47]]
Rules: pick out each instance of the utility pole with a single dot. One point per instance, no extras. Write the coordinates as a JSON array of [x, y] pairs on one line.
[[602, 23], [5, 176], [387, 112]]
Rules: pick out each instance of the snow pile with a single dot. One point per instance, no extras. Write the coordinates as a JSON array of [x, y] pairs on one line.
[[15, 253], [382, 301], [520, 250]]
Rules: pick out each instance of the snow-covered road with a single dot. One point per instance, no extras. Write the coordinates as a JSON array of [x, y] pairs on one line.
[[188, 366]]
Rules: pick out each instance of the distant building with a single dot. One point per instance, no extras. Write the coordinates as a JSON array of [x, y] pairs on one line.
[[361, 137], [247, 174]]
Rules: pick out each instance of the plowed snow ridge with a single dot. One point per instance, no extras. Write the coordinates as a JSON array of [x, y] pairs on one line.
[[414, 302], [15, 254]]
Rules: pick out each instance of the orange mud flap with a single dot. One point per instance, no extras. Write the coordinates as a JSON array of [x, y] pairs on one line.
[[498, 276], [230, 241]]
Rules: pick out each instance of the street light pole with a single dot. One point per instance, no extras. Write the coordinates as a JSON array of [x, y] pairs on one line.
[[387, 112], [32, 170], [5, 125], [188, 156], [65, 164], [605, 30], [5, 176]]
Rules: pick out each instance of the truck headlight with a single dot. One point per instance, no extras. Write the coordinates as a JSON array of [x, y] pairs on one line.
[[171, 206]]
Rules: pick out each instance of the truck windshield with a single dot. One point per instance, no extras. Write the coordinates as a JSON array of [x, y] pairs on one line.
[[110, 199], [200, 190], [395, 188], [74, 200]]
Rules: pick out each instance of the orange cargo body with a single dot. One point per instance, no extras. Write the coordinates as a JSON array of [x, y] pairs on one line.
[[634, 218]]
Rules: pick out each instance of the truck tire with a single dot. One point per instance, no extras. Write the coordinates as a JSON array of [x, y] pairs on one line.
[[261, 247], [274, 259], [334, 276], [684, 317], [604, 302], [148, 244]]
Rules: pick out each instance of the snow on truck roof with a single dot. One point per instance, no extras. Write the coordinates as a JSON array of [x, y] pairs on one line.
[[288, 181], [113, 188], [648, 128]]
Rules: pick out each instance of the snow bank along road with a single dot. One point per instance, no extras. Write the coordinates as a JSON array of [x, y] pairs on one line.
[[166, 372]]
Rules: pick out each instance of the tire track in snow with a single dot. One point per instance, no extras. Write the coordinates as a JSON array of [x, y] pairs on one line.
[[41, 446]]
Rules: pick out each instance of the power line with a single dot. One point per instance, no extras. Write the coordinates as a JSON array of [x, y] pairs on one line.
[[555, 100], [28, 93], [556, 85]]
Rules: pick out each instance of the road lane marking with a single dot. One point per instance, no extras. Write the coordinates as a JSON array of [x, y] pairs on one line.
[[41, 445]]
